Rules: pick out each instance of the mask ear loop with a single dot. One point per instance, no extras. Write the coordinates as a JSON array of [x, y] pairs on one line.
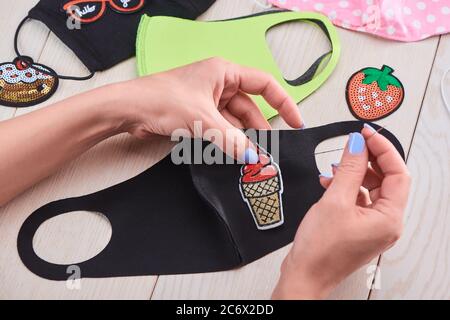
[[444, 97], [27, 59], [262, 5]]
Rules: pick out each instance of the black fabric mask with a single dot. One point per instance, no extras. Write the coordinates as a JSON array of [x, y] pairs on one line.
[[112, 37], [100, 44], [174, 219]]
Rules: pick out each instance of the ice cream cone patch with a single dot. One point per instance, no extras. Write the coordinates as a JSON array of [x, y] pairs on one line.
[[261, 187]]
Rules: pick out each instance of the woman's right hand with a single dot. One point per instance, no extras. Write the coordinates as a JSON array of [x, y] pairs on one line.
[[213, 92], [359, 217]]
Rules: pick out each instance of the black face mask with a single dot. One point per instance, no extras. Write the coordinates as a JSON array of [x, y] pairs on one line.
[[174, 219], [106, 36], [111, 37]]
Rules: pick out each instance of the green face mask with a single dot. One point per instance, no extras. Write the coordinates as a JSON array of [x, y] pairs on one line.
[[165, 43]]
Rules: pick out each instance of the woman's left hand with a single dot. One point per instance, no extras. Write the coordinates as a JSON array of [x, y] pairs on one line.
[[359, 216]]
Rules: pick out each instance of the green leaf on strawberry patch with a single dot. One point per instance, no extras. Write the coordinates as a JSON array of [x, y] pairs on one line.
[[372, 71], [383, 83], [370, 79], [383, 77], [394, 81]]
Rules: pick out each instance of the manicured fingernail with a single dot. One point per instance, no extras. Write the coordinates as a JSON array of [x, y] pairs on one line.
[[303, 127], [326, 175], [335, 165], [370, 128], [250, 156], [356, 143]]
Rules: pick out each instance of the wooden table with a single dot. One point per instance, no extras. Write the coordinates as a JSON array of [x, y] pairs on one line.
[[417, 267]]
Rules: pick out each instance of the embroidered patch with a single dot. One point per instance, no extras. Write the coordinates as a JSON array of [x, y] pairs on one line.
[[24, 83], [261, 188], [88, 11], [373, 94]]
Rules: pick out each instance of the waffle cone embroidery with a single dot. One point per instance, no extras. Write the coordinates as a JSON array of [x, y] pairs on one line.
[[24, 83], [261, 187], [373, 94]]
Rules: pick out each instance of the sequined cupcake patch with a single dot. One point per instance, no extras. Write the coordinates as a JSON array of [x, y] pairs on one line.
[[24, 83]]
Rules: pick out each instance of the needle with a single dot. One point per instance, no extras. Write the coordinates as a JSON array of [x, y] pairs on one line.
[[340, 149], [384, 127]]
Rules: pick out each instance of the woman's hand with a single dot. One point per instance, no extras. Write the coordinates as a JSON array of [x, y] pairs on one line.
[[210, 91], [213, 92], [359, 217]]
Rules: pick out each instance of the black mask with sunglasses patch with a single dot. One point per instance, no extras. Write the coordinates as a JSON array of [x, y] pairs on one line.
[[101, 33]]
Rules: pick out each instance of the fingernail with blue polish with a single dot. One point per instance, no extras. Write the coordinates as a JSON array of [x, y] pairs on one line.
[[303, 127], [250, 156], [370, 128], [356, 143], [326, 175]]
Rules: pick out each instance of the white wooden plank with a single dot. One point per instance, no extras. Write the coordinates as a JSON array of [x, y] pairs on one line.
[[418, 267], [120, 158]]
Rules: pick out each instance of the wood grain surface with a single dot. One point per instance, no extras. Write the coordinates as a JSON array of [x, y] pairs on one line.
[[418, 267]]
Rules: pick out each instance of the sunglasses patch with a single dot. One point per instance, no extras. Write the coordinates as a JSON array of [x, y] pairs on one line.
[[88, 11]]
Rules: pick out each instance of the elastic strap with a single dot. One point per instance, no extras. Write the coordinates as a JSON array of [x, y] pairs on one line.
[[16, 49]]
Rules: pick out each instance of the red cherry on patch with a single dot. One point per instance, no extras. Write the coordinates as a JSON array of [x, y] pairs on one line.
[[28, 75], [21, 65]]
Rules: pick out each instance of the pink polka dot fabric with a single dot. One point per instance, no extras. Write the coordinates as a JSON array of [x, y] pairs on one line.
[[402, 20]]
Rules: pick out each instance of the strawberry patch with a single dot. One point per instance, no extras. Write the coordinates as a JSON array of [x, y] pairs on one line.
[[373, 94]]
